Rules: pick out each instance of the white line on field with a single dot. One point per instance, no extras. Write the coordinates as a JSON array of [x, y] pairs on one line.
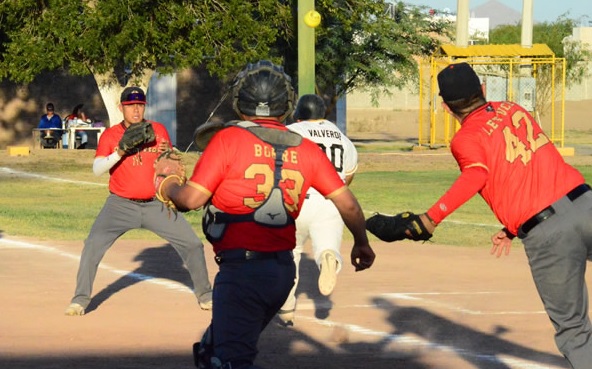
[[9, 171], [414, 342], [18, 173], [412, 154], [416, 296], [175, 286]]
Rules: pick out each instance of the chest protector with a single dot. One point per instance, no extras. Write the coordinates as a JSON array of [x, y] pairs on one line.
[[272, 212]]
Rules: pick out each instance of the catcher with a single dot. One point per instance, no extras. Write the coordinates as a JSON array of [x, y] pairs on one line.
[[128, 151], [252, 178]]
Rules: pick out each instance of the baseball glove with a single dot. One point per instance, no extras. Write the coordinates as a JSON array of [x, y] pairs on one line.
[[135, 136], [402, 226], [168, 167]]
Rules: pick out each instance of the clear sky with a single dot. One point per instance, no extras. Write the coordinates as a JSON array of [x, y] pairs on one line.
[[543, 10]]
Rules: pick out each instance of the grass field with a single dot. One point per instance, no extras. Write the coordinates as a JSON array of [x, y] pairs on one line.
[[53, 194]]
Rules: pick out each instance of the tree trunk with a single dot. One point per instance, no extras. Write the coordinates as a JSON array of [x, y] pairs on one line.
[[110, 91]]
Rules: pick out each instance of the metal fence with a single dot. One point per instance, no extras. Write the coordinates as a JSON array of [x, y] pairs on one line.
[[537, 84]]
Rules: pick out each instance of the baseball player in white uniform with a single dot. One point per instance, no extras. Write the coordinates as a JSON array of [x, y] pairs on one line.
[[319, 220]]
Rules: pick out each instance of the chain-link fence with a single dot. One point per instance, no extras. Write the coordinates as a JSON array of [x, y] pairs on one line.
[[536, 83]]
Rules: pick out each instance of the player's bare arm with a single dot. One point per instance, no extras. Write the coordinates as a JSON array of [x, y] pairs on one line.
[[349, 178], [362, 255], [189, 196]]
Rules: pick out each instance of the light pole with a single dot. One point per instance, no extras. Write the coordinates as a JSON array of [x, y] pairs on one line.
[[306, 50]]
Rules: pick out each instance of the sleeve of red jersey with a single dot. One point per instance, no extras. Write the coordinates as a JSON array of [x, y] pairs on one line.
[[467, 185], [107, 144], [209, 169]]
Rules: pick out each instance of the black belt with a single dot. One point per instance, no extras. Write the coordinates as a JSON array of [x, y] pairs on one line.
[[143, 200], [242, 254], [548, 211]]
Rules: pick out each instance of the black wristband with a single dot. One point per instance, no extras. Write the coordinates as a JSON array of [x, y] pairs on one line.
[[430, 219], [509, 234]]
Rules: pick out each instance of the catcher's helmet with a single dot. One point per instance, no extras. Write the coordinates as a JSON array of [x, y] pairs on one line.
[[310, 107], [263, 89]]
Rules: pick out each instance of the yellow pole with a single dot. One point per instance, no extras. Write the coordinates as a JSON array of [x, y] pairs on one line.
[[553, 100], [306, 50], [421, 97], [433, 108], [562, 101]]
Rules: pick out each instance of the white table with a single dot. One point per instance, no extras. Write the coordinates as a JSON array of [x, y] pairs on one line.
[[72, 133]]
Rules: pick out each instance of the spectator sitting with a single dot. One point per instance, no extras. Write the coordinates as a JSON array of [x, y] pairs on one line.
[[78, 119], [50, 137]]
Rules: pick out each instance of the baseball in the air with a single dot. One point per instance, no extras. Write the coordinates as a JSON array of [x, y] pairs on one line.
[[312, 18]]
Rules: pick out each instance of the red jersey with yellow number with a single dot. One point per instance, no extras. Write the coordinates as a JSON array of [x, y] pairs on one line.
[[510, 162], [133, 176], [238, 169]]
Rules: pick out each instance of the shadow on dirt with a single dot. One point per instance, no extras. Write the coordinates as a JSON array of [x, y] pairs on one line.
[[415, 334], [153, 259]]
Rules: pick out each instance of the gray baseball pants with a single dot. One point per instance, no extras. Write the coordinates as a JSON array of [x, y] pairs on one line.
[[120, 215], [558, 250]]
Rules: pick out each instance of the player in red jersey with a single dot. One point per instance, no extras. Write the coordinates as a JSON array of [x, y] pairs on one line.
[[253, 179], [131, 204], [504, 155]]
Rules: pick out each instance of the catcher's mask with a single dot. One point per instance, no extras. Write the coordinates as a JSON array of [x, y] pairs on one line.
[[263, 89], [310, 106]]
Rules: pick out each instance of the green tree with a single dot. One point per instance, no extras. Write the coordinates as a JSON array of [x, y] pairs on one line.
[[556, 35], [373, 45], [122, 42]]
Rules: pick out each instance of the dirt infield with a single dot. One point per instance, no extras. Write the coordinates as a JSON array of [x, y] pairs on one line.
[[420, 306]]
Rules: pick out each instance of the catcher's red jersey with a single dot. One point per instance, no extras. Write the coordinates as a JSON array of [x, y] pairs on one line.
[[504, 154], [137, 168], [240, 174]]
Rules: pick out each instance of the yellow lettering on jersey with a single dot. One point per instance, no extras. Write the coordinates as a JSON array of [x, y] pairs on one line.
[[492, 127], [268, 152], [504, 107], [517, 146], [264, 151], [290, 157], [293, 182], [264, 175]]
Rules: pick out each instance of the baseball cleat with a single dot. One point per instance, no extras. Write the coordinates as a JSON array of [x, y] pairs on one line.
[[205, 301], [74, 309], [328, 276]]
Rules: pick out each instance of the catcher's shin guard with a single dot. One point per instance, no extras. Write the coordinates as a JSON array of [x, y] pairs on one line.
[[203, 351]]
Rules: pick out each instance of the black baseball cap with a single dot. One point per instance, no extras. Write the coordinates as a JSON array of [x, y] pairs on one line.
[[132, 95], [458, 81]]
